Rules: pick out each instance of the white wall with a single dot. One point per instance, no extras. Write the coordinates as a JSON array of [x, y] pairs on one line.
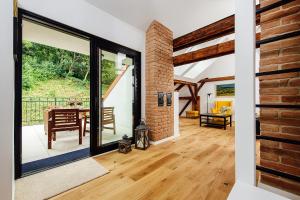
[[84, 16], [223, 66], [7, 100], [121, 99], [245, 92]]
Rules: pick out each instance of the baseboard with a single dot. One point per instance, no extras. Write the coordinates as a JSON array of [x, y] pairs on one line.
[[278, 191], [164, 140], [101, 154]]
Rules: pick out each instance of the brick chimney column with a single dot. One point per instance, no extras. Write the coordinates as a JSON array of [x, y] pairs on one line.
[[159, 78]]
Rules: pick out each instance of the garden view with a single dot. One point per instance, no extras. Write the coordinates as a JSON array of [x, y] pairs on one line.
[[53, 76]]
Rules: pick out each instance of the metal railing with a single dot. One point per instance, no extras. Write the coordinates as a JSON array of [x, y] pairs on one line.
[[33, 107], [279, 106]]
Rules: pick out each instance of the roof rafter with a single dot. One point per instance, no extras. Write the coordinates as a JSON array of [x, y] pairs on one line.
[[212, 31], [214, 51]]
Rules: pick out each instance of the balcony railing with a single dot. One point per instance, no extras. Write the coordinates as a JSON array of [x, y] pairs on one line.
[[33, 107]]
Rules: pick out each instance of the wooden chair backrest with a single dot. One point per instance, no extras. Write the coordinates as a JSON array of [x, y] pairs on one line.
[[107, 114], [65, 118]]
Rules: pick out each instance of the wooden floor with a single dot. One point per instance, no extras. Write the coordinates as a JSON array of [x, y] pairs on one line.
[[198, 165]]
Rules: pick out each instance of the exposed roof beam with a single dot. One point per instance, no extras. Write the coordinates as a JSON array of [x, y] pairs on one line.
[[223, 78], [194, 98], [214, 51], [210, 32], [200, 86], [204, 54], [184, 82], [179, 87], [185, 106], [185, 98]]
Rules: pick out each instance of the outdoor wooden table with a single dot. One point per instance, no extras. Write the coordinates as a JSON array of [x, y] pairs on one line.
[[211, 119]]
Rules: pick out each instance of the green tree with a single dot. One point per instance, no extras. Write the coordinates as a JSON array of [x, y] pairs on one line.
[[43, 63], [108, 71]]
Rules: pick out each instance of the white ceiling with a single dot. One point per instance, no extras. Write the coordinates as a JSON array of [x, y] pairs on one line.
[[181, 16]]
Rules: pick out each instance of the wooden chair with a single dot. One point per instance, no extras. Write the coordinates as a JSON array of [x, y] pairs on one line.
[[108, 117], [86, 120], [63, 120]]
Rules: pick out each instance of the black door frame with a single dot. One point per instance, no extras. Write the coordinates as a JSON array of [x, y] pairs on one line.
[[96, 43]]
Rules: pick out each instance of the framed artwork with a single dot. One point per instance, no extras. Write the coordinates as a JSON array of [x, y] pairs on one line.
[[169, 98], [225, 90], [160, 98]]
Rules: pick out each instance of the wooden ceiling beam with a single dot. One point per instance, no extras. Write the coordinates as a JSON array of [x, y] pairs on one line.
[[214, 51], [200, 86], [183, 82], [210, 32], [223, 78], [180, 87], [194, 98], [185, 106], [185, 98]]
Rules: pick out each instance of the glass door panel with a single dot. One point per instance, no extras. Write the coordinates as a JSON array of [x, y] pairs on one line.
[[54, 76], [117, 97]]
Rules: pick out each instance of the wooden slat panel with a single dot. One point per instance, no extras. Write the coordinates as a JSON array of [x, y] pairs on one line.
[[108, 116], [65, 128], [65, 121], [107, 122]]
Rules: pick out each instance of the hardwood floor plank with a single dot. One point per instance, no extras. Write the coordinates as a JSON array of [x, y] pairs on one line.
[[198, 165], [153, 166]]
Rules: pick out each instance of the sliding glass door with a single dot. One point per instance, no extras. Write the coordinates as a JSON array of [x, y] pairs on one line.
[[116, 103], [55, 77], [63, 69]]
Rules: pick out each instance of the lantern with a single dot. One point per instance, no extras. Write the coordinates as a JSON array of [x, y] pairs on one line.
[[141, 136], [125, 144]]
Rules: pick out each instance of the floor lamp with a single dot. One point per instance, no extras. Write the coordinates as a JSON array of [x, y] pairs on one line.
[[207, 97]]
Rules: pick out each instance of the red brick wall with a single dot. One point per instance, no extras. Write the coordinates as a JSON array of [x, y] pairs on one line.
[[159, 78], [280, 89]]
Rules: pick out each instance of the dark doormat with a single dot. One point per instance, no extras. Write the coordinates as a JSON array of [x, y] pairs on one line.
[[47, 163]]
